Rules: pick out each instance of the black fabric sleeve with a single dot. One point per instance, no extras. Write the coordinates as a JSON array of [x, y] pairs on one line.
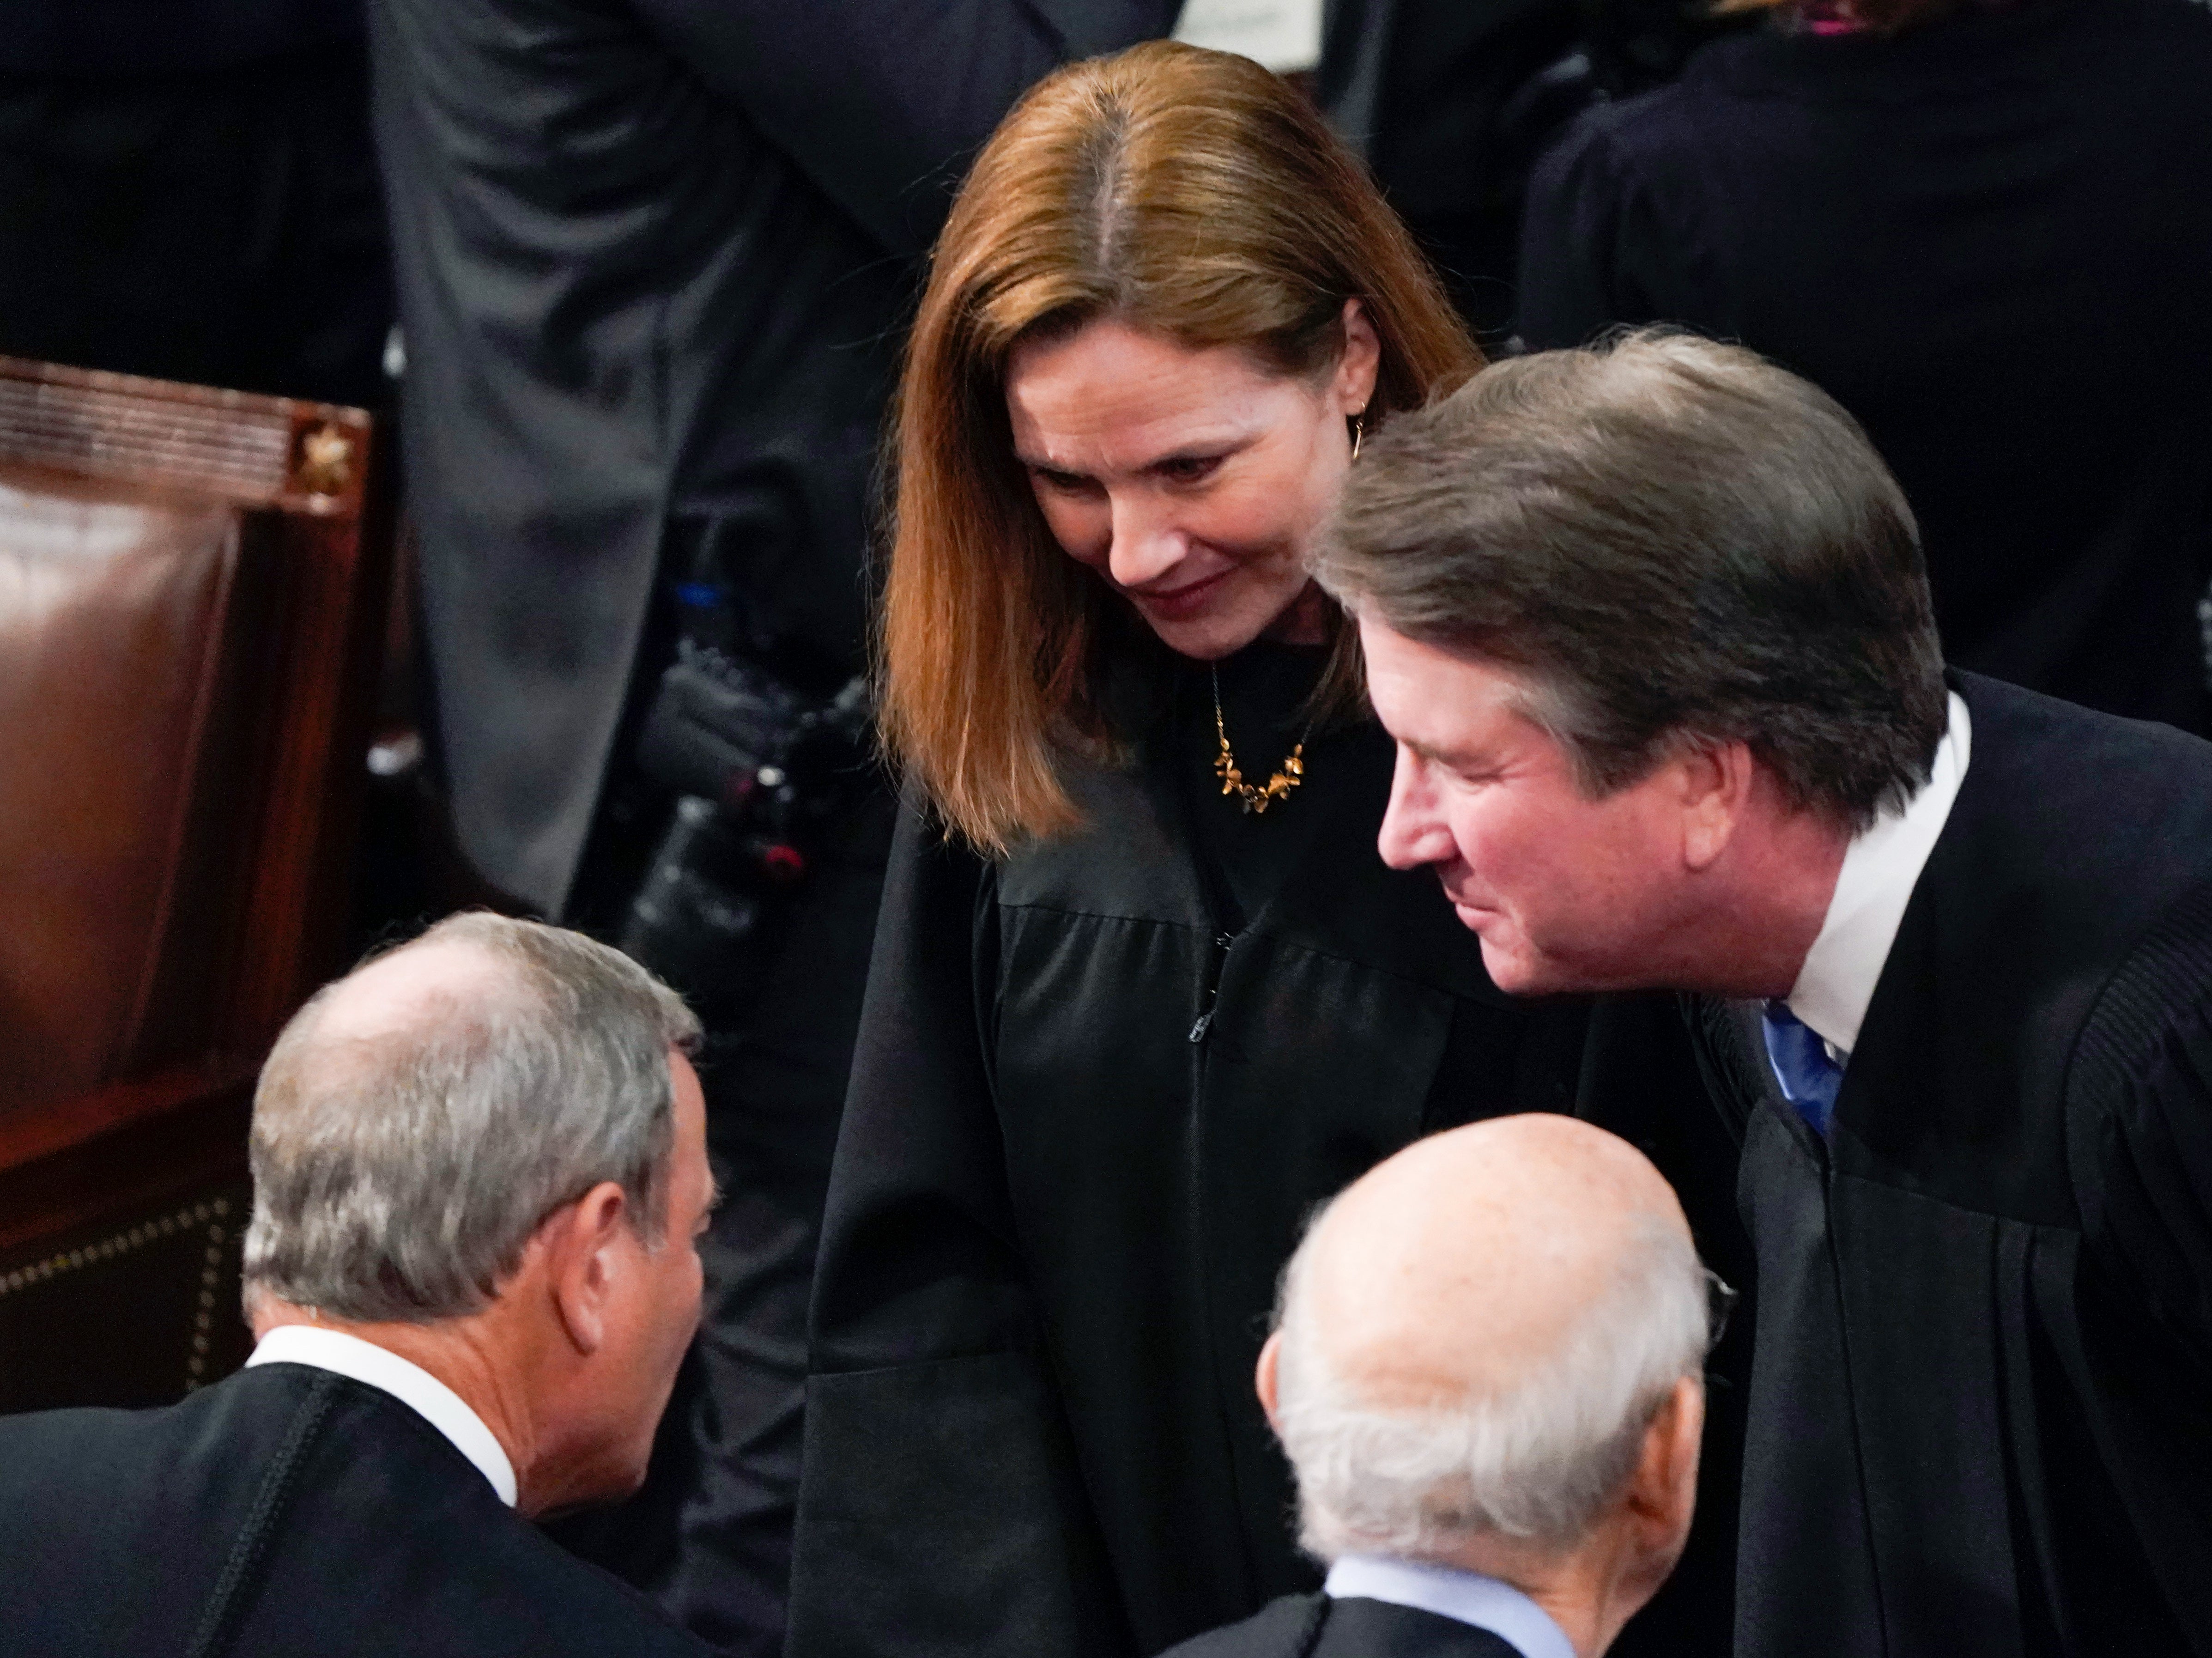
[[1584, 233], [2139, 1111], [2136, 1321], [880, 102], [940, 1507]]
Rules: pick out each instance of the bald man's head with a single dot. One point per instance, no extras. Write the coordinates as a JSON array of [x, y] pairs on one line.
[[398, 993], [418, 1119], [1474, 1336]]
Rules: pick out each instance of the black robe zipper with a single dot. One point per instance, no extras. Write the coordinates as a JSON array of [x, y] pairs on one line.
[[1213, 889], [1210, 990]]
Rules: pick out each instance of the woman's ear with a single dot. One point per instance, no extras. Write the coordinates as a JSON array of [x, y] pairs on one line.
[[1354, 383]]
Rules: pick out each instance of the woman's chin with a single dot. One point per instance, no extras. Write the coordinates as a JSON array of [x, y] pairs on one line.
[[1205, 639], [1216, 631]]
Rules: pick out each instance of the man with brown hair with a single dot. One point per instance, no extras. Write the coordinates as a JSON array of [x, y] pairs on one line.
[[1650, 626]]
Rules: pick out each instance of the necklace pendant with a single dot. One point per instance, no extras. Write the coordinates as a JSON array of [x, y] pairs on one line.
[[1233, 781], [1253, 799]]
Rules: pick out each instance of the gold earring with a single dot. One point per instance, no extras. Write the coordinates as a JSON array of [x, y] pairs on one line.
[[1358, 432]]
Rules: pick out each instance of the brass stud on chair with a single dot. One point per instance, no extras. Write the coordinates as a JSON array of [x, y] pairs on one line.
[[323, 463]]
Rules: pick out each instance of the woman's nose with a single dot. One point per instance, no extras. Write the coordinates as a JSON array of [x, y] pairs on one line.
[[1146, 545]]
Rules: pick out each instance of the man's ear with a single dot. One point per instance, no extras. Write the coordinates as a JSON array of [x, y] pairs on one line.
[[1716, 779], [1662, 1498], [584, 1264], [1263, 1377]]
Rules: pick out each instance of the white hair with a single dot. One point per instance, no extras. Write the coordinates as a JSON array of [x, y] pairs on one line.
[[398, 1177], [1536, 1462]]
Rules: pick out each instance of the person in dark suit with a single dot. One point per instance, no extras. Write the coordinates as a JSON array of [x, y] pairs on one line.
[[653, 256], [1487, 1371], [188, 190], [480, 1173], [1650, 626], [1982, 226]]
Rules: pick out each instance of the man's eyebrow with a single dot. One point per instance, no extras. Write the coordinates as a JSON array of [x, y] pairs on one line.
[[1444, 756]]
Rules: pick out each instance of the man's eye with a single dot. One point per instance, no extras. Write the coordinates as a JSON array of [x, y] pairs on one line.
[[1191, 469]]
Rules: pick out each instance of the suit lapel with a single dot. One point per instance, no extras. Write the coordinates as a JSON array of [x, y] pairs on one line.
[[1731, 1049]]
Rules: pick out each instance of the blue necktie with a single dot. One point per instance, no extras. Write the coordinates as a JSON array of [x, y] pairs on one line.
[[1809, 1077]]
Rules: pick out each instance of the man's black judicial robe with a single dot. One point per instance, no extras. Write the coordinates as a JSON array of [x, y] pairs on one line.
[[286, 1513], [1981, 1407], [1089, 1113]]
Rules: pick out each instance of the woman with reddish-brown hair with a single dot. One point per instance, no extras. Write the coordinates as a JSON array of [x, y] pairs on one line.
[[1143, 991]]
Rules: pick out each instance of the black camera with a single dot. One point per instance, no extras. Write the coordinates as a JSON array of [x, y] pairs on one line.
[[759, 770]]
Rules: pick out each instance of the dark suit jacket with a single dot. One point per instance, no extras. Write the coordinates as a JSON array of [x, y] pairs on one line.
[[1981, 1400], [1316, 1626], [653, 256], [1987, 239], [99, 39], [283, 1512]]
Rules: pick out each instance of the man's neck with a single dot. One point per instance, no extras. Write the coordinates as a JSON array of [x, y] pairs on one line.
[[1753, 915], [463, 1353], [1581, 1591]]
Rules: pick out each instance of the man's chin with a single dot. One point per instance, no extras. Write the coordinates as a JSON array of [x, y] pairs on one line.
[[1512, 972]]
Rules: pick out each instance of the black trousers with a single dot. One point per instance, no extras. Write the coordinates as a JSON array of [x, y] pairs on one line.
[[709, 1535], [224, 228]]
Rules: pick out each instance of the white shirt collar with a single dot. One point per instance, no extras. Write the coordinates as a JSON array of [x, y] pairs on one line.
[[1465, 1597], [1880, 868], [405, 1381]]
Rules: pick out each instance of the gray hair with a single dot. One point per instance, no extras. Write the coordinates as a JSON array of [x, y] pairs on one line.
[[1672, 540], [1535, 1463], [398, 1177]]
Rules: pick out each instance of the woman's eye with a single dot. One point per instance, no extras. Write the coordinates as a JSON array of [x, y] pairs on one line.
[[1065, 483]]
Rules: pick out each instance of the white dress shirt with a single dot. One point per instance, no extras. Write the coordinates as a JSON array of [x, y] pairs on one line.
[[406, 1382], [1880, 868], [1465, 1597]]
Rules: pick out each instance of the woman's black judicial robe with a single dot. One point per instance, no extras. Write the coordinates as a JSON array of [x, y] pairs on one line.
[[1089, 1113]]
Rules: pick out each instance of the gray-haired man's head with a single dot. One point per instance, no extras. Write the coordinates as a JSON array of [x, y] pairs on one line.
[[419, 1118], [1489, 1354], [1665, 538]]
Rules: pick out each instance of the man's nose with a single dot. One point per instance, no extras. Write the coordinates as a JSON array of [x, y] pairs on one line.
[[1413, 831], [1147, 544]]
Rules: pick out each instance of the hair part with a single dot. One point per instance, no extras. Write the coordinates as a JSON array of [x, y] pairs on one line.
[[1537, 1463], [1672, 542], [1181, 192], [398, 1177]]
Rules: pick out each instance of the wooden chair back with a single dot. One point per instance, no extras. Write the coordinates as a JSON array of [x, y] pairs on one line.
[[193, 588]]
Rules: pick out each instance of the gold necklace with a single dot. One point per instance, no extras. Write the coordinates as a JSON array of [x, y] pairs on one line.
[[1252, 796]]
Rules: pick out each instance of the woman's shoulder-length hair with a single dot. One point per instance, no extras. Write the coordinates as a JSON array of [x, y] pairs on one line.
[[1185, 191]]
